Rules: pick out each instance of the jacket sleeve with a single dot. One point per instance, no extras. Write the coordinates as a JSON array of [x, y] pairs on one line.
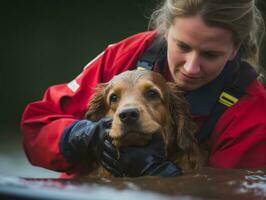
[[43, 122], [239, 139]]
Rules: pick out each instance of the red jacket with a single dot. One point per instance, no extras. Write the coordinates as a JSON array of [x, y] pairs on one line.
[[239, 139]]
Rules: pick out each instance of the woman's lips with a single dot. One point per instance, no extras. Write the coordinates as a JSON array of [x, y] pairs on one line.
[[188, 78]]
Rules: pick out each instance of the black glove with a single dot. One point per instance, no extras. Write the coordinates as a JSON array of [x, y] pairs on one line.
[[143, 161], [84, 139]]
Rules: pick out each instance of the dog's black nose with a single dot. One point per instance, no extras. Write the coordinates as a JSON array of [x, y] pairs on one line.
[[128, 115]]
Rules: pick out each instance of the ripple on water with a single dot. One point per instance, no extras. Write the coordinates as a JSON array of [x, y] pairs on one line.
[[254, 183]]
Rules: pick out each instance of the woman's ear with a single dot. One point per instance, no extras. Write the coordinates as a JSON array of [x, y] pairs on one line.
[[234, 53], [165, 35], [97, 103]]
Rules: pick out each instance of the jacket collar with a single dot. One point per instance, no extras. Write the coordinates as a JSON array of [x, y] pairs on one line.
[[203, 99]]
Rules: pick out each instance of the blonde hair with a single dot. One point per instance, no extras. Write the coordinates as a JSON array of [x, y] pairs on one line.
[[239, 16]]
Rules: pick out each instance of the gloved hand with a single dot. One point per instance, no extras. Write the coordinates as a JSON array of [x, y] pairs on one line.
[[142, 161], [84, 139]]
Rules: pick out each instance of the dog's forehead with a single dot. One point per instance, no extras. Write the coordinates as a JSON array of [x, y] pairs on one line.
[[134, 76]]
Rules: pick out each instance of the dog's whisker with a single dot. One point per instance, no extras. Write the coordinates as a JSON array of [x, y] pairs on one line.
[[118, 153]]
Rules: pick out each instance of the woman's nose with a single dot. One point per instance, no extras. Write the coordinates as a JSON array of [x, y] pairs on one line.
[[192, 63]]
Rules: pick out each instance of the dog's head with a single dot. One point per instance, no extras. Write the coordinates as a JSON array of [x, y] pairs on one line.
[[142, 103]]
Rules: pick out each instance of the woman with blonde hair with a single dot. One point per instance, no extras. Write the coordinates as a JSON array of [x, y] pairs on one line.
[[209, 49]]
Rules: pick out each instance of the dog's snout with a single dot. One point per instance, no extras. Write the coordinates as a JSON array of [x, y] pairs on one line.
[[128, 115]]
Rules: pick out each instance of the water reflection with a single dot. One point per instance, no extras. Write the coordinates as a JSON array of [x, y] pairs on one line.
[[255, 182], [208, 183]]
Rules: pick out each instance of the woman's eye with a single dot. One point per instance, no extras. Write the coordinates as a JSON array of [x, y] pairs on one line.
[[210, 56], [152, 94], [183, 47], [113, 98]]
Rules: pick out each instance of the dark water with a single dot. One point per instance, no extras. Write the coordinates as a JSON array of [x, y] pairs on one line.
[[208, 183], [19, 179]]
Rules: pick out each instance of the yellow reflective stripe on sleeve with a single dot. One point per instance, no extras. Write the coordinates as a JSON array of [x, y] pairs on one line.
[[227, 99]]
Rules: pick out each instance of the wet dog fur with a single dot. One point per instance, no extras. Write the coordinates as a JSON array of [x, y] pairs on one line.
[[142, 103]]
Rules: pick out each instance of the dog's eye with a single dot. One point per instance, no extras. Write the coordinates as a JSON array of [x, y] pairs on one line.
[[152, 94], [113, 98]]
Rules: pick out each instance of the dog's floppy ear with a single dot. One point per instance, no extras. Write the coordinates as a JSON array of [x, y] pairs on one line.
[[180, 116], [184, 128], [97, 103]]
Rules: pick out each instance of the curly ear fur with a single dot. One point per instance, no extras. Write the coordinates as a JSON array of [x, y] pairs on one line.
[[97, 103], [184, 128]]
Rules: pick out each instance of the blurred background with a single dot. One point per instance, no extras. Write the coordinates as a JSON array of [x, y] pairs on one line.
[[46, 42]]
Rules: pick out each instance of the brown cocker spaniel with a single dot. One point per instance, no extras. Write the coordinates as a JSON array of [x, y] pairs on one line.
[[142, 103]]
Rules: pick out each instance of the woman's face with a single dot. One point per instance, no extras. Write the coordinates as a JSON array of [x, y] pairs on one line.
[[197, 53]]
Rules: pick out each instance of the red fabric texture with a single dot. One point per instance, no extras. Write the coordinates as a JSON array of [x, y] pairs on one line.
[[238, 141]]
